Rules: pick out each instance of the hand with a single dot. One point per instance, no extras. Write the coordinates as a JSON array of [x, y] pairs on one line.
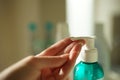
[[54, 63]]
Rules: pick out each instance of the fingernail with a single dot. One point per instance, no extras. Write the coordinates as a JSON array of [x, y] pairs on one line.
[[76, 38], [73, 38], [81, 42]]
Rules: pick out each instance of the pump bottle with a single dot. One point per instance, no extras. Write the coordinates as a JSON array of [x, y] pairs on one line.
[[88, 67]]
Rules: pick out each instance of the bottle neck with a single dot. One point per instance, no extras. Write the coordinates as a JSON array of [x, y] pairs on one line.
[[88, 62], [89, 56]]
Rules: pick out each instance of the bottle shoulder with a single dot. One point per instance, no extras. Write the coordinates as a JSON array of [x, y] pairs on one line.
[[95, 65], [88, 63]]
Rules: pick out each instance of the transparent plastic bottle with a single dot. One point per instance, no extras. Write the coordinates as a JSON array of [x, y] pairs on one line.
[[88, 71], [88, 68]]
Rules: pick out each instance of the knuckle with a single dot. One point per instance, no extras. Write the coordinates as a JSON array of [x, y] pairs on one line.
[[32, 61]]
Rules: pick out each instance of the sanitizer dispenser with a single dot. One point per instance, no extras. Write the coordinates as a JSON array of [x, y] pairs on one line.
[[88, 67]]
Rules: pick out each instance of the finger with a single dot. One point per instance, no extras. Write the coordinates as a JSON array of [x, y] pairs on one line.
[[56, 48], [76, 50], [68, 48], [50, 61], [72, 58], [71, 61]]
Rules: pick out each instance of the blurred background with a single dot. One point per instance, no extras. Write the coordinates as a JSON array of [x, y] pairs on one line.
[[30, 26]]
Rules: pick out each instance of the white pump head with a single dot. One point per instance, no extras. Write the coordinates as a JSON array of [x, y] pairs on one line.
[[89, 52], [89, 41]]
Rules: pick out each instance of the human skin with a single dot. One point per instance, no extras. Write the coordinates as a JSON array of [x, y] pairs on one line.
[[54, 63]]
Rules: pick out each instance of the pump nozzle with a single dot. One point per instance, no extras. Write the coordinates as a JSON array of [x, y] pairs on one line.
[[89, 52], [89, 41]]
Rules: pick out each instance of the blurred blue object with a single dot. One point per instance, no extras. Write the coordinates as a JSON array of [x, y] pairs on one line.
[[49, 38], [32, 26]]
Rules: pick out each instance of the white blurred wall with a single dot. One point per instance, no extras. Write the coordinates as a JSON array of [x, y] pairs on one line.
[[105, 10]]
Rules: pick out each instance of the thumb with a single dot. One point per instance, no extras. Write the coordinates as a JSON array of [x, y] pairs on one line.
[[51, 61]]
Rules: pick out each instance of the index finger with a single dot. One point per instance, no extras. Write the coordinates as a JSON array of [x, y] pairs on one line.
[[73, 54], [56, 48]]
